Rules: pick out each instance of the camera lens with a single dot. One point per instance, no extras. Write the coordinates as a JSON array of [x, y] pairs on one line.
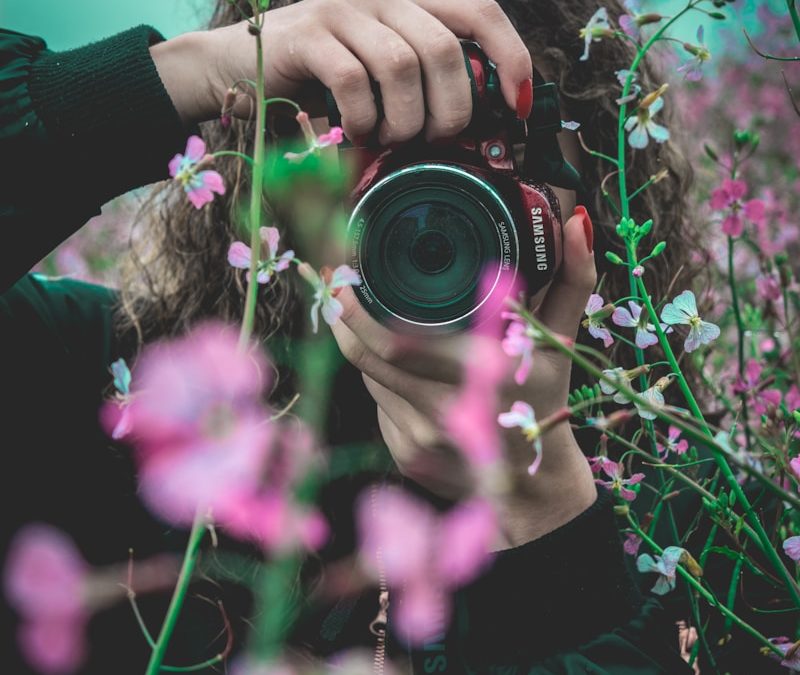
[[432, 251], [422, 237]]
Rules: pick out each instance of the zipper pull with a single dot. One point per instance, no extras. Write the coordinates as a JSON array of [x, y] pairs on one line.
[[378, 625]]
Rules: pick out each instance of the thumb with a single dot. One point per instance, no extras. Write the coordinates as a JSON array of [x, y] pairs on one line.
[[563, 306]]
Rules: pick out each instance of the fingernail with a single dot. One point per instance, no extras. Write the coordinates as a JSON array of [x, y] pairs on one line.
[[525, 99], [588, 228]]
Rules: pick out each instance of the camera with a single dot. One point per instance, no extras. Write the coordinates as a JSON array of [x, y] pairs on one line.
[[438, 229]]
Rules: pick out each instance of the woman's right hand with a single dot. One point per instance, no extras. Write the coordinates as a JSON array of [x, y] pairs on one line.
[[410, 47]]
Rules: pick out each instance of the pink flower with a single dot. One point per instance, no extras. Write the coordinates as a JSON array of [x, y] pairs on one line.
[[239, 256], [596, 312], [763, 400], [197, 421], [519, 341], [785, 644], [794, 463], [768, 287], [326, 287], [521, 415], [122, 383], [632, 543], [791, 547], [424, 555], [199, 186], [315, 143], [665, 565], [45, 581], [635, 318], [673, 444], [617, 484], [728, 197], [693, 69]]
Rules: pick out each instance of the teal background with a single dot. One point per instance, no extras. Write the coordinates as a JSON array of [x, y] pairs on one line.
[[71, 24]]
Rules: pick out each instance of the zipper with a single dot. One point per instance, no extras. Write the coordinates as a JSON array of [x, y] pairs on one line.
[[378, 625]]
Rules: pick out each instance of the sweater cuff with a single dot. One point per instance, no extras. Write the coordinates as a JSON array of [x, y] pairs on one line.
[[551, 593], [106, 104]]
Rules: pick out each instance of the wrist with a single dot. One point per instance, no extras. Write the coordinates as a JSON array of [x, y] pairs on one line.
[[183, 64], [562, 488]]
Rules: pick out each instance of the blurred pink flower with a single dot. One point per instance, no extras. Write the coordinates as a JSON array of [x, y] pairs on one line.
[[768, 287], [425, 555], [596, 312], [665, 565], [763, 400], [519, 341], [618, 484], [679, 447], [693, 69], [728, 197], [239, 256], [326, 286], [45, 580], [199, 186], [197, 421]]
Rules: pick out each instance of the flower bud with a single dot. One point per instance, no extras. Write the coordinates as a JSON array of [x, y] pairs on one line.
[[614, 258], [658, 177], [658, 249], [653, 96], [691, 564], [645, 19], [638, 271], [621, 510]]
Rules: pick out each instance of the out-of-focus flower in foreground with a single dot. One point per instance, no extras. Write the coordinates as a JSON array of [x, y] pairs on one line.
[[326, 286], [199, 186], [239, 256], [423, 556], [45, 580], [521, 415], [683, 311], [664, 565], [597, 28]]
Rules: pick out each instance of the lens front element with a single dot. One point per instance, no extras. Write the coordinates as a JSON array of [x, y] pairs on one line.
[[421, 239]]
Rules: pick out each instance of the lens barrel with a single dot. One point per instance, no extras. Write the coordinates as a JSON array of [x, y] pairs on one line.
[[423, 239]]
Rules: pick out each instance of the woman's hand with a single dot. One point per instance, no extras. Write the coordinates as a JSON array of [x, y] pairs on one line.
[[409, 46], [413, 382]]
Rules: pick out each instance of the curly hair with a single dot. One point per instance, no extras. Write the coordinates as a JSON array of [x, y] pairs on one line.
[[177, 271]]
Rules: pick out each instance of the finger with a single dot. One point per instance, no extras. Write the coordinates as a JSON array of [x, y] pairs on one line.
[[329, 61], [433, 358], [425, 393], [394, 65], [486, 23], [448, 94], [563, 306]]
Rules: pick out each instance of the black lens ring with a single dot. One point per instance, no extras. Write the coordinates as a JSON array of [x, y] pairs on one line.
[[451, 179]]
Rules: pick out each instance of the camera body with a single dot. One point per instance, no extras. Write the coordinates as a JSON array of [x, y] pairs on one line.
[[436, 230]]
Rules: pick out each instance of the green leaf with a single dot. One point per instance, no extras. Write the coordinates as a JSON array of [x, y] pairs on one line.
[[717, 15]]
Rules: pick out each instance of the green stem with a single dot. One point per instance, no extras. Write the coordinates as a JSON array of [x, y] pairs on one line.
[[792, 6], [233, 153], [256, 195], [737, 570], [154, 667]]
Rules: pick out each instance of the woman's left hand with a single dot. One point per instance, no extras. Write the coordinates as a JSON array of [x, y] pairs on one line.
[[413, 382]]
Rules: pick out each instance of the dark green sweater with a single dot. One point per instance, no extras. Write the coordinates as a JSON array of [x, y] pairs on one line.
[[78, 128]]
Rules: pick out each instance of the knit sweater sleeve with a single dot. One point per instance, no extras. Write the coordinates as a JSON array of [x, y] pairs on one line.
[[564, 603], [77, 128]]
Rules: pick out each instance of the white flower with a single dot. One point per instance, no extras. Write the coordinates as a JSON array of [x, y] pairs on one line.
[[683, 310], [597, 27], [642, 127], [521, 415], [325, 291]]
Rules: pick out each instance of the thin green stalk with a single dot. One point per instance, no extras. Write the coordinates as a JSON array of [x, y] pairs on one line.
[[792, 6], [154, 666], [698, 587], [256, 194], [737, 571]]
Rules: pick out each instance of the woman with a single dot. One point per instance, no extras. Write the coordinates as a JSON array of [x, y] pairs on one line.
[[83, 126]]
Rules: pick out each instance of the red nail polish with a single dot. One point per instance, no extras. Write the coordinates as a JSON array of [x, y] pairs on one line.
[[525, 99], [588, 228]]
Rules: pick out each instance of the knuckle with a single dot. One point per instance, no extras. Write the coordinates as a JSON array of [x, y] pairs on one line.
[[401, 61], [443, 47], [349, 76], [355, 352], [488, 11], [455, 121]]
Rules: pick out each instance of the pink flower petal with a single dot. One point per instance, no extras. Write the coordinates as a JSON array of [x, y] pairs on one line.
[[239, 255], [467, 533], [195, 148], [54, 646], [422, 612]]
